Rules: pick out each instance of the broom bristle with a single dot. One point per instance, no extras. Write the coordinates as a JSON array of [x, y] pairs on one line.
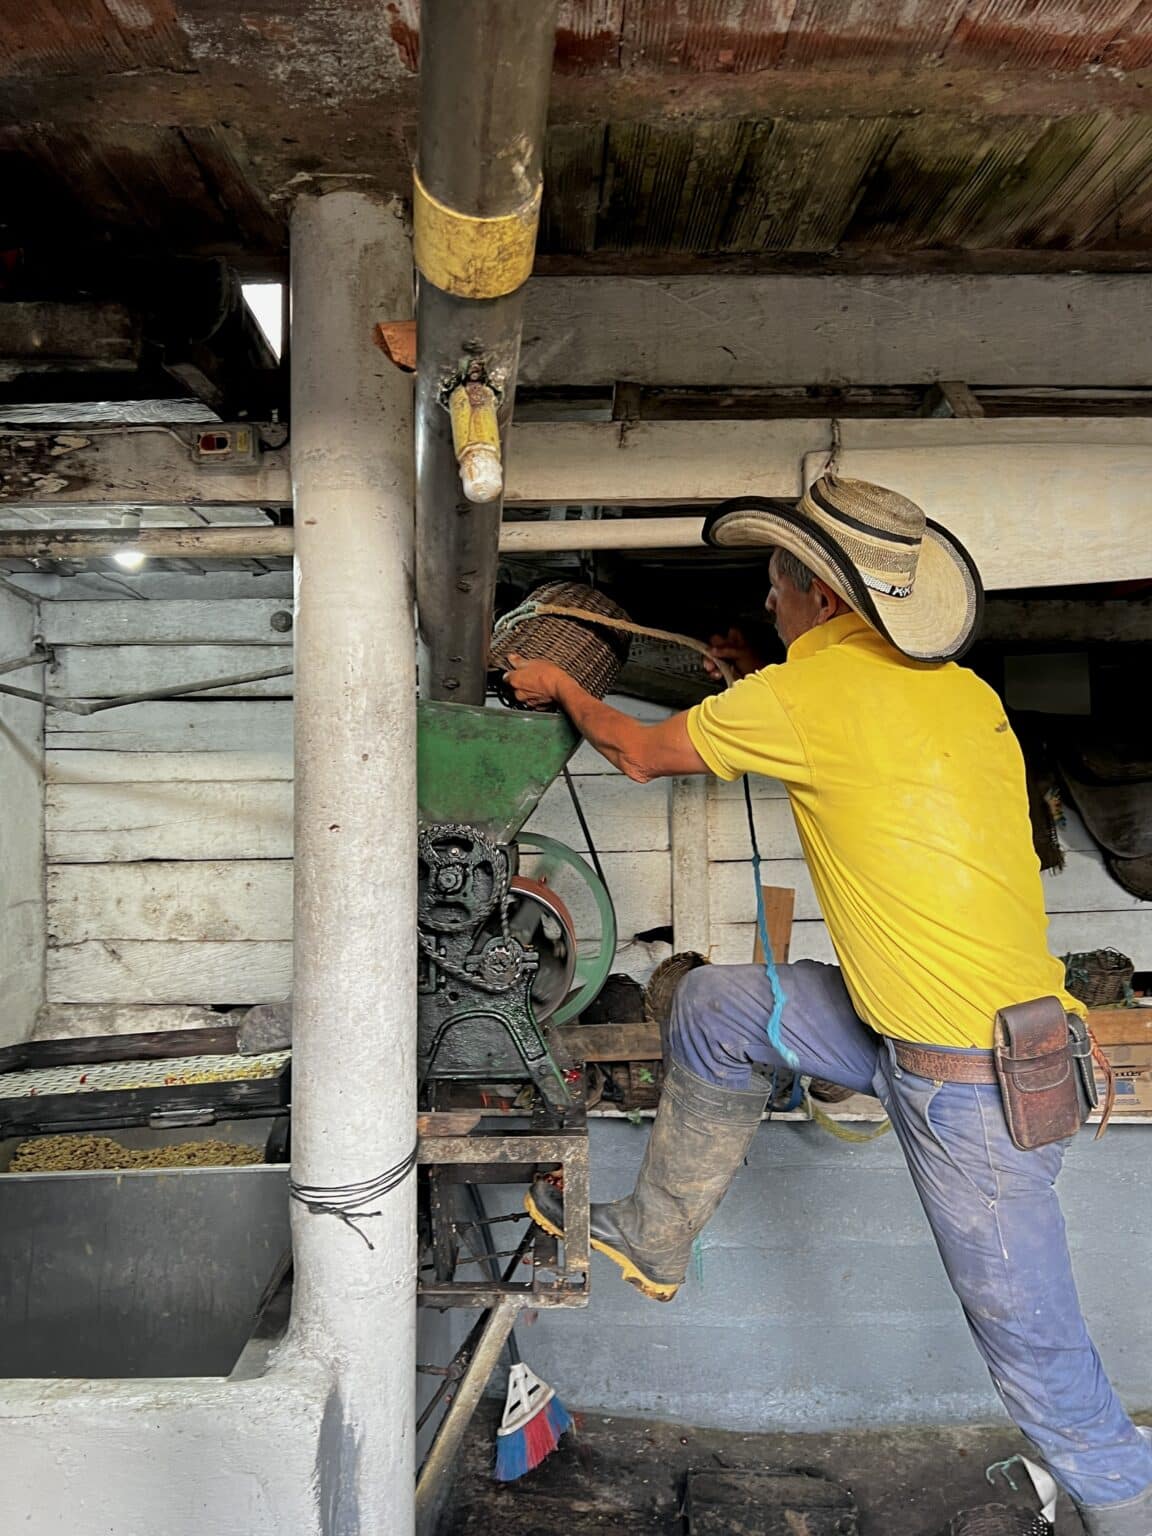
[[520, 1450]]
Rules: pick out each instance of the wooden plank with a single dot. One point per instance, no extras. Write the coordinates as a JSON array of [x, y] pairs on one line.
[[252, 621], [951, 397], [1084, 885], [72, 767], [670, 461], [734, 943], [130, 972], [57, 1021], [1121, 1026], [623, 817], [656, 462], [587, 760], [152, 466], [775, 830], [779, 905], [1028, 331], [103, 672], [1095, 492], [1129, 932], [21, 831], [203, 902], [762, 789], [103, 823], [688, 835], [733, 894], [613, 1042], [448, 1122], [225, 726], [67, 1050], [162, 586], [1067, 620], [640, 885]]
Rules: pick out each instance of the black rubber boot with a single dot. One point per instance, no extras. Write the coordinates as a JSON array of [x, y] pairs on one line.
[[1131, 1518], [699, 1138]]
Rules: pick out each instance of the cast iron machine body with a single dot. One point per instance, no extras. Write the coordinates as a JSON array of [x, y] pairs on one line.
[[501, 972], [500, 967]]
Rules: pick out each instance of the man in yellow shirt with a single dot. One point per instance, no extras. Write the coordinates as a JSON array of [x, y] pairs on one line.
[[908, 792]]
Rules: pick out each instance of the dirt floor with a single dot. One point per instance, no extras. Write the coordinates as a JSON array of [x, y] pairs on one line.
[[628, 1475]]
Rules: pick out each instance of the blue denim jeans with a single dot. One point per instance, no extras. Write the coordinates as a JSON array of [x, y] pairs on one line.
[[993, 1210]]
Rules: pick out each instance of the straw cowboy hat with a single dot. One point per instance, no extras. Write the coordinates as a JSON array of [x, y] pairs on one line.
[[903, 573]]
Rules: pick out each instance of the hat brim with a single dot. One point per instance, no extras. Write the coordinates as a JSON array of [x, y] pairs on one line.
[[937, 621]]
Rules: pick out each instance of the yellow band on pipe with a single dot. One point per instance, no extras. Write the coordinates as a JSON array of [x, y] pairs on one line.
[[474, 258]]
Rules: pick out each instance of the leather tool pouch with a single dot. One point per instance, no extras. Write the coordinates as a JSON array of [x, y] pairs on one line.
[[1040, 1077]]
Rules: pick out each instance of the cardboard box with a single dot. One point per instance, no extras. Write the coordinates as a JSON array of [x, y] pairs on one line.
[[1132, 1068]]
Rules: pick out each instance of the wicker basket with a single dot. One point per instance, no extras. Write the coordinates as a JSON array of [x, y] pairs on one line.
[[997, 1520], [661, 988], [1100, 978], [591, 654]]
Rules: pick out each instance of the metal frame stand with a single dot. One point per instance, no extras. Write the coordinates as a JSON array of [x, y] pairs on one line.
[[492, 1151]]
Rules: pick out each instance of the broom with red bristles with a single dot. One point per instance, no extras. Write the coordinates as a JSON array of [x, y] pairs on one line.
[[534, 1420], [534, 1417]]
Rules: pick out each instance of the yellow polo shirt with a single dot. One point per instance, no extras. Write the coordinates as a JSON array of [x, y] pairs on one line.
[[908, 791]]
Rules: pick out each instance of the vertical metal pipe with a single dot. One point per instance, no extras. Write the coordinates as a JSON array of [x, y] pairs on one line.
[[485, 69], [354, 1024]]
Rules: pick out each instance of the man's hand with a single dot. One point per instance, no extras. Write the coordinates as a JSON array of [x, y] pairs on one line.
[[534, 683], [736, 651]]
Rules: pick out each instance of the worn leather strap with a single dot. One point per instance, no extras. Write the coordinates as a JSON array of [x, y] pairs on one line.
[[945, 1066]]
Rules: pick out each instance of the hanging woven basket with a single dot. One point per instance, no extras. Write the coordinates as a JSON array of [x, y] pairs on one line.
[[662, 985], [592, 654], [1100, 978]]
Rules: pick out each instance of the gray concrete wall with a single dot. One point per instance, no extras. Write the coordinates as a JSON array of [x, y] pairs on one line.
[[21, 829], [170, 1458], [820, 1299]]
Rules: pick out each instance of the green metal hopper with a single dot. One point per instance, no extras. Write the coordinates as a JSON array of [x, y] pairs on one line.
[[487, 768]]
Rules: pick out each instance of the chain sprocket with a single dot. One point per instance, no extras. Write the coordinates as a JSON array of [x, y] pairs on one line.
[[464, 878]]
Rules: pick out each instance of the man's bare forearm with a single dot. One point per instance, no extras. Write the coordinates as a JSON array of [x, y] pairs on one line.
[[643, 752], [614, 734]]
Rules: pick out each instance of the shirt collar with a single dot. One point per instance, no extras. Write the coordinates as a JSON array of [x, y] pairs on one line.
[[845, 626]]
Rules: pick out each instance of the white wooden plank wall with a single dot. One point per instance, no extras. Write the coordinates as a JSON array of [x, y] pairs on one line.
[[168, 827], [21, 827], [1087, 908]]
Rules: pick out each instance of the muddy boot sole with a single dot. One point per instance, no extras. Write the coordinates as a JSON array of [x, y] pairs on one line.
[[655, 1290]]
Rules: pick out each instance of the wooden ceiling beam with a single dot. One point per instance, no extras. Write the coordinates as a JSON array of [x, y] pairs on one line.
[[352, 109]]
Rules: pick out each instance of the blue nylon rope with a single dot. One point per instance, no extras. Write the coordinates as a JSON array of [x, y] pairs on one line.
[[775, 1035]]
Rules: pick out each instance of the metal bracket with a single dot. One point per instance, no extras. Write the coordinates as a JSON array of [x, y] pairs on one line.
[[488, 1157]]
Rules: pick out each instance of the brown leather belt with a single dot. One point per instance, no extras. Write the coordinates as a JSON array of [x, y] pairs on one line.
[[945, 1066]]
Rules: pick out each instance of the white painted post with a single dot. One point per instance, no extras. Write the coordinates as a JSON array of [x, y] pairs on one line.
[[688, 837], [354, 1027]]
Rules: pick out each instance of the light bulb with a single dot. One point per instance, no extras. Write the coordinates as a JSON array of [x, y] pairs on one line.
[[129, 559]]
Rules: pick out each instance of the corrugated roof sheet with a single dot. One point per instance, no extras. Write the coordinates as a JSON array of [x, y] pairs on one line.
[[692, 171], [887, 183], [1038, 34], [742, 36], [44, 37]]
